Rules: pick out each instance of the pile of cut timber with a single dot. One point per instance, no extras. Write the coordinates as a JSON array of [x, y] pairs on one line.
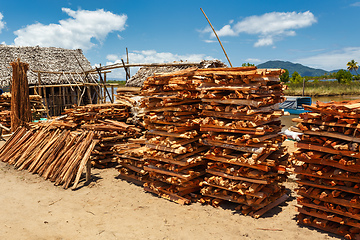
[[329, 167], [131, 163], [241, 118], [37, 107], [56, 154], [60, 149], [174, 156], [5, 120], [109, 121]]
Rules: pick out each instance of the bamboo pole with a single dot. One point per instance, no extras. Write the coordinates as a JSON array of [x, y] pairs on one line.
[[216, 36]]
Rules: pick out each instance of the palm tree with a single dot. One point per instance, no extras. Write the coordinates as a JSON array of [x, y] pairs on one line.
[[352, 65]]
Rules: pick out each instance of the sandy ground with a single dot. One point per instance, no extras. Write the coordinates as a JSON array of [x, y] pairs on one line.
[[109, 208]]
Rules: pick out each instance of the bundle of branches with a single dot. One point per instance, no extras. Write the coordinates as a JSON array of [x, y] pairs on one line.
[[56, 154], [20, 102], [328, 167], [242, 119]]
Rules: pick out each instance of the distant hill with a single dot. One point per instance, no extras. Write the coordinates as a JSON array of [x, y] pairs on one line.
[[292, 67]]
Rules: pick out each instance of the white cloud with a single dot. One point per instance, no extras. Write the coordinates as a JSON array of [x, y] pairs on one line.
[[151, 56], [112, 57], [332, 60], [252, 60], [78, 31], [269, 27], [210, 41], [2, 23], [355, 4]]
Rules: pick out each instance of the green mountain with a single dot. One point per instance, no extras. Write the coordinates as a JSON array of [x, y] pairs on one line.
[[292, 67]]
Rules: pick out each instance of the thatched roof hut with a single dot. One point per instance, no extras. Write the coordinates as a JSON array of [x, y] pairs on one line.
[[41, 59], [139, 78]]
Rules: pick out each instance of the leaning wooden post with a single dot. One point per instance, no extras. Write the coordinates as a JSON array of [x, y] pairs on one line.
[[105, 89], [217, 37], [20, 101]]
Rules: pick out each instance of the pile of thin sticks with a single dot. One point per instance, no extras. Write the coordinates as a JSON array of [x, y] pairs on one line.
[[242, 123], [109, 121], [328, 167], [20, 101], [55, 154]]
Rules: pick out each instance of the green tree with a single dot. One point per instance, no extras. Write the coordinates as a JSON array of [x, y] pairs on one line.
[[296, 78], [343, 76], [352, 65], [247, 65], [285, 77]]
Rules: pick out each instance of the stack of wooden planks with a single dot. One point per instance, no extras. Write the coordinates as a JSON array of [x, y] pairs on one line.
[[173, 157], [109, 121], [132, 162], [329, 167], [241, 118], [59, 149], [59, 155], [37, 108], [5, 120]]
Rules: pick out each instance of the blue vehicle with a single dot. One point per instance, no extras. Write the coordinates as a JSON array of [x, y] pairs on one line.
[[294, 104]]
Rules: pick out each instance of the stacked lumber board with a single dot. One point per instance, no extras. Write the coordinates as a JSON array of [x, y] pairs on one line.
[[328, 168], [241, 118], [174, 160], [60, 149], [109, 121], [132, 162], [59, 155], [5, 120], [37, 107]]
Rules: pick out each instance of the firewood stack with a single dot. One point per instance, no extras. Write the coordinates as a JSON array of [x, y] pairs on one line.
[[60, 149], [109, 121], [37, 108], [59, 155], [241, 119], [174, 158], [329, 167]]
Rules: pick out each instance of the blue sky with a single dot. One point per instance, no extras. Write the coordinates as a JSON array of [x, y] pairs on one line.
[[320, 34]]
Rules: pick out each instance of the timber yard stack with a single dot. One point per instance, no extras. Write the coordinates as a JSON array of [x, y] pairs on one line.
[[109, 122], [241, 119], [37, 107], [59, 155], [130, 158], [60, 149], [329, 167], [173, 157]]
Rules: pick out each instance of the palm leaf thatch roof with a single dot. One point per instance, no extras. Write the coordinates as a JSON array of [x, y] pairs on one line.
[[42, 59], [138, 79]]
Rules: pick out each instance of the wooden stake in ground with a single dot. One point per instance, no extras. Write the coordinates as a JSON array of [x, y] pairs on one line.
[[20, 102]]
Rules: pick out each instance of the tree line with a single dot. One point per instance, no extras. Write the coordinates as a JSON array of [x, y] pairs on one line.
[[342, 76]]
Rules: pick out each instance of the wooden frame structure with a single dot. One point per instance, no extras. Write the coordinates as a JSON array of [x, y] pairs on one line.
[[81, 88]]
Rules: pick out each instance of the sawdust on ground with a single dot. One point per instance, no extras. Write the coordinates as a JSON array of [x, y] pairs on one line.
[[109, 208]]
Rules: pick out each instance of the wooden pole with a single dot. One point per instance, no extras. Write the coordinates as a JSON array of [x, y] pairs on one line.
[[112, 94], [126, 72], [105, 89], [217, 37]]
